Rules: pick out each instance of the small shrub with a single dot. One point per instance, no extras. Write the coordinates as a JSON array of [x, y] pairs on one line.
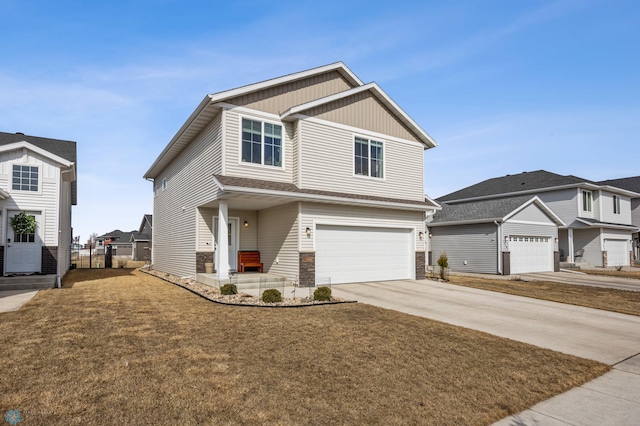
[[618, 268], [322, 294], [229, 289], [271, 296], [443, 263], [122, 264]]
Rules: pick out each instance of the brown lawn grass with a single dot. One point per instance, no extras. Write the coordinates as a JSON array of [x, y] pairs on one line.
[[633, 273], [608, 299], [122, 347]]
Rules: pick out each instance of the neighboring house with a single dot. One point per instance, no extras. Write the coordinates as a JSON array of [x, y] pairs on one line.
[[319, 172], [37, 176], [595, 220], [119, 241], [630, 184], [142, 241], [497, 236]]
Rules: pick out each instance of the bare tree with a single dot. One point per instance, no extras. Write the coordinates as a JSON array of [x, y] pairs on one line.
[[91, 242]]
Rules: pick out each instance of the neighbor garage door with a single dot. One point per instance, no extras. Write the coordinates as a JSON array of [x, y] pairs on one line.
[[531, 254], [350, 254], [617, 252]]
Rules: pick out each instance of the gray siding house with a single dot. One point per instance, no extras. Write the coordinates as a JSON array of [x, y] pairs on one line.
[[630, 184], [38, 177], [319, 172], [142, 241], [496, 236], [595, 219]]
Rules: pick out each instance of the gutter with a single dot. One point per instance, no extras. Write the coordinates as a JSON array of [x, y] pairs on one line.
[[499, 237]]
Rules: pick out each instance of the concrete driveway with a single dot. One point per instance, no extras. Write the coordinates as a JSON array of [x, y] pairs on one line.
[[612, 338], [12, 300], [584, 279]]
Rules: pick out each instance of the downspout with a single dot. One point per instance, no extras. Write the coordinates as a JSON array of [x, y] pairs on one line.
[[499, 241]]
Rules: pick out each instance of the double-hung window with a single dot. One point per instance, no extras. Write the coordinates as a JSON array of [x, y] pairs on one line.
[[616, 204], [25, 178], [587, 201], [261, 143], [368, 157]]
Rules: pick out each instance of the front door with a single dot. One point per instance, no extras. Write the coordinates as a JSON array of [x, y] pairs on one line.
[[232, 239], [24, 251]]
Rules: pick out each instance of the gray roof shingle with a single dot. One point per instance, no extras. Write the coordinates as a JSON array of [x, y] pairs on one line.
[[488, 210], [630, 183], [525, 181], [59, 147]]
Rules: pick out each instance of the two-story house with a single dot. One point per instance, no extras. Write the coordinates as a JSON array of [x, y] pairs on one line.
[[319, 172], [593, 221], [142, 241], [630, 184], [37, 177]]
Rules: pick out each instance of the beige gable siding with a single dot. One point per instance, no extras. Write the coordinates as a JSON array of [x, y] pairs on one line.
[[45, 201], [280, 98], [233, 164], [278, 239], [532, 213], [189, 184], [328, 164], [331, 214], [364, 111]]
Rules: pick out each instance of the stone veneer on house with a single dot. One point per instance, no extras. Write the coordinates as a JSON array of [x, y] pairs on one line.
[[49, 260], [307, 263], [203, 257]]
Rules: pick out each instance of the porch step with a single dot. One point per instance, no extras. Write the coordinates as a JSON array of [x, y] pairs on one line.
[[27, 282], [244, 280]]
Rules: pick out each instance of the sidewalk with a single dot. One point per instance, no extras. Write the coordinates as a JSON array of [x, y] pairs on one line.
[[12, 300]]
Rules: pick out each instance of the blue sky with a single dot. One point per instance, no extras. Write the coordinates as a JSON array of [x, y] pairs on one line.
[[502, 86]]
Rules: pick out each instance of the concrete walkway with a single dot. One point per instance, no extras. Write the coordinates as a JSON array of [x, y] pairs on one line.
[[604, 336], [12, 300]]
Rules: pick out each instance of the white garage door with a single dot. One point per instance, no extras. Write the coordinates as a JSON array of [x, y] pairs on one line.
[[617, 252], [349, 254], [531, 254]]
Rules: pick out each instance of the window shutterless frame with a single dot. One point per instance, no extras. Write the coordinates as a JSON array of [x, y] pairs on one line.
[[261, 142], [369, 157], [587, 200], [616, 204], [25, 178]]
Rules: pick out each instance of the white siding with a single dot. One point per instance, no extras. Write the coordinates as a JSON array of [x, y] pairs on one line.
[[635, 211], [510, 228], [607, 214], [475, 244], [278, 239], [563, 203], [189, 184], [328, 164], [328, 214], [589, 240], [46, 200], [532, 213], [233, 163]]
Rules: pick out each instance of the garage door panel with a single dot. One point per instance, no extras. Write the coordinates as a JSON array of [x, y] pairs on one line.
[[358, 254], [617, 252], [531, 254]]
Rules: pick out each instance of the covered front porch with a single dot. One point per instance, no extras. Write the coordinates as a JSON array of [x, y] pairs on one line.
[[592, 243]]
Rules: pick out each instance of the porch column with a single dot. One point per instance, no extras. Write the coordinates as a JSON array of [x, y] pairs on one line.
[[222, 249], [569, 257]]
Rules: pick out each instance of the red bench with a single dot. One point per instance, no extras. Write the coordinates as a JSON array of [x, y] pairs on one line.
[[249, 259]]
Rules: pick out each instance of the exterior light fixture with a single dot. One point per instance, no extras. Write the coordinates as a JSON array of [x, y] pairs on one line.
[[308, 232], [421, 235], [246, 224], [430, 235]]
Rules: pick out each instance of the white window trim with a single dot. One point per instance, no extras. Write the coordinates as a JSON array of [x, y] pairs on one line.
[[582, 200], [164, 184], [22, 191], [262, 121], [617, 204], [384, 157]]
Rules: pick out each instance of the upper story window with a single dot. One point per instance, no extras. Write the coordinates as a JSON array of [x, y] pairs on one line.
[[164, 184], [261, 143], [587, 201], [25, 178], [368, 158], [616, 204]]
